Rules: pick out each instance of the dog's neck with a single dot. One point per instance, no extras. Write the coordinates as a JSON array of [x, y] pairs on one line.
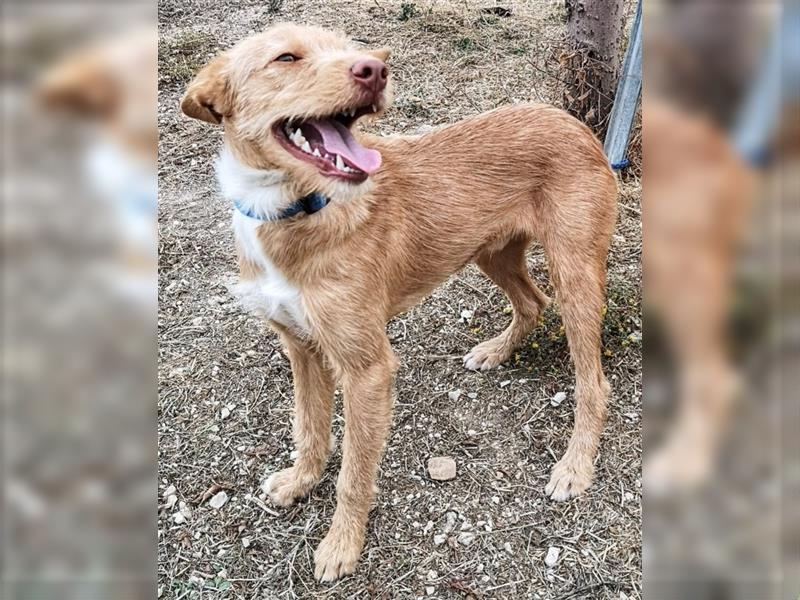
[[258, 191]]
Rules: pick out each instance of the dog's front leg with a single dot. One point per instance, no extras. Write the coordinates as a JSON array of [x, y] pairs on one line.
[[368, 387], [314, 385]]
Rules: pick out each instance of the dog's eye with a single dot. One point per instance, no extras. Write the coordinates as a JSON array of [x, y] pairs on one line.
[[288, 57]]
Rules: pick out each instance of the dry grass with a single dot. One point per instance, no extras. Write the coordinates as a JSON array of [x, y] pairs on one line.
[[450, 60]]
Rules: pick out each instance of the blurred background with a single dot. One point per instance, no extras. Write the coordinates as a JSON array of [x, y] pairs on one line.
[[79, 297], [720, 221], [720, 139]]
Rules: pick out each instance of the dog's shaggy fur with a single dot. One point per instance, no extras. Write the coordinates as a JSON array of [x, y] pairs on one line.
[[478, 191]]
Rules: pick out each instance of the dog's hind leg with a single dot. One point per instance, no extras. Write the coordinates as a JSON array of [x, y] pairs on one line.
[[314, 385], [507, 269], [577, 244]]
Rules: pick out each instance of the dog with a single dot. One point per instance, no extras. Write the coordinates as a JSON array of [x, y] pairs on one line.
[[337, 231], [108, 86]]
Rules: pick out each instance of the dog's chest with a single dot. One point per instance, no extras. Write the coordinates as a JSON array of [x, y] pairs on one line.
[[266, 292]]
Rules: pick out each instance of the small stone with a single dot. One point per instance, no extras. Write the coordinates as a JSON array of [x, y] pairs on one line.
[[552, 556], [432, 575], [172, 500], [507, 548], [466, 538], [169, 491], [429, 589], [479, 568], [558, 399], [246, 542], [472, 395], [495, 499], [219, 500], [450, 521], [454, 395], [441, 468], [179, 518], [428, 527], [224, 413], [439, 539], [466, 315], [505, 383]]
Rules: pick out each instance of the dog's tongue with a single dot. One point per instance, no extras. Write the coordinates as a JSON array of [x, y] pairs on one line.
[[337, 139]]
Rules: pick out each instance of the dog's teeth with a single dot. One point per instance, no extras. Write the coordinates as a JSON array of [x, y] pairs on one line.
[[339, 162], [316, 152], [374, 108], [306, 147]]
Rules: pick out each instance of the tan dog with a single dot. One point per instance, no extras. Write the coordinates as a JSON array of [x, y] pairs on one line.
[[404, 213]]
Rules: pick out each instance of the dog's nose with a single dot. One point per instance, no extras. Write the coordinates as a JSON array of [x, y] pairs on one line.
[[370, 73]]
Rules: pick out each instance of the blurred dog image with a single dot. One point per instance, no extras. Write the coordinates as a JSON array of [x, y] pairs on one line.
[[110, 86], [338, 231]]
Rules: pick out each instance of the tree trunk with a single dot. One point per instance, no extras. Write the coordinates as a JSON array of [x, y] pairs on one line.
[[592, 62]]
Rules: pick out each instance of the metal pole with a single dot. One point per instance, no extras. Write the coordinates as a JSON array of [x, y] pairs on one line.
[[629, 91]]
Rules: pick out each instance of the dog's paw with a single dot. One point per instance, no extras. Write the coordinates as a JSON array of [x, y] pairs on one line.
[[287, 486], [486, 355], [337, 555], [676, 469], [569, 478]]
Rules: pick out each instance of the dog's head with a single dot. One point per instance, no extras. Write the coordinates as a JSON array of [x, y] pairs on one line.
[[291, 95], [111, 83]]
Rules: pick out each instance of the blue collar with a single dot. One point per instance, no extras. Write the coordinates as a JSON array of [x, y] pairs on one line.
[[310, 204]]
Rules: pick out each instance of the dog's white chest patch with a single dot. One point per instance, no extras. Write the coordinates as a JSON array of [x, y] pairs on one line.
[[269, 295]]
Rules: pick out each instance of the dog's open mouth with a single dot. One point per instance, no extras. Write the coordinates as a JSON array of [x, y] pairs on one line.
[[328, 144]]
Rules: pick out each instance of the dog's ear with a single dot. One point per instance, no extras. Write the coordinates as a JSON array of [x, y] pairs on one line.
[[81, 86], [381, 54], [208, 97]]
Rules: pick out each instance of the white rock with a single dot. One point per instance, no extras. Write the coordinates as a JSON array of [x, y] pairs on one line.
[[466, 538], [429, 589], [224, 413], [169, 491], [439, 539], [507, 548], [428, 527], [441, 468], [219, 500], [552, 556], [505, 383], [466, 315], [558, 399], [450, 521], [495, 499], [178, 518], [172, 500], [246, 542], [454, 395]]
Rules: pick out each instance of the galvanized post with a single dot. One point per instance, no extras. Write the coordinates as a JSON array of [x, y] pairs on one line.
[[629, 91]]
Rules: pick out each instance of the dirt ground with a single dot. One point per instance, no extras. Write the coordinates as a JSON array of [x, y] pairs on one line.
[[225, 385]]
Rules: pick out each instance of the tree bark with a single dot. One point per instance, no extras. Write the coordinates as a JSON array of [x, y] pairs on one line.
[[592, 61]]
